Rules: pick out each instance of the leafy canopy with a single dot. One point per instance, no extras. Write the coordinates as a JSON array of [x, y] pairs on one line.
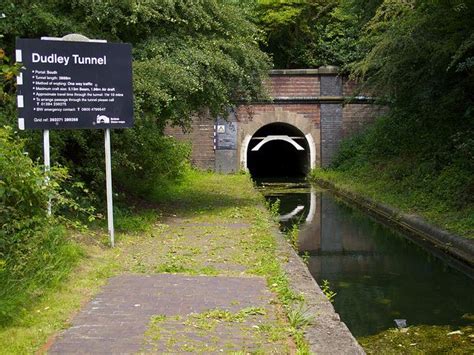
[[419, 57], [190, 56], [308, 34]]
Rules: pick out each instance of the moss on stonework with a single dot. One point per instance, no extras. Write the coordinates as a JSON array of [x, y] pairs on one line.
[[423, 339]]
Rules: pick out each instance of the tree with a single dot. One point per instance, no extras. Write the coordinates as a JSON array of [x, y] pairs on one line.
[[189, 56], [309, 33], [420, 58]]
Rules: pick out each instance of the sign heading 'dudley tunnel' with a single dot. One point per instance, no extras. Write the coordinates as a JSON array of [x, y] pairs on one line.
[[73, 85]]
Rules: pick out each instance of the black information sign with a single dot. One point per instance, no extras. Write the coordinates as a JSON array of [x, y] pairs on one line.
[[71, 85]]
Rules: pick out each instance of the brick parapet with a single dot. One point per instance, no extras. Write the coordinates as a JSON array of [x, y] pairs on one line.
[[293, 86]]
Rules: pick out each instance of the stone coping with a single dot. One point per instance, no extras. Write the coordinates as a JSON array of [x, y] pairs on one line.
[[327, 70], [326, 334], [317, 99]]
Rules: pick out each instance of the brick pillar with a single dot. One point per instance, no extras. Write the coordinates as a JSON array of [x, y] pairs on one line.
[[331, 116]]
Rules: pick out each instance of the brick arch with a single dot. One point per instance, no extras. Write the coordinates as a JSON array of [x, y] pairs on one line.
[[278, 115], [251, 122]]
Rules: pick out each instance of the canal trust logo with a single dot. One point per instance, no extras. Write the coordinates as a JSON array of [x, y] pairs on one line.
[[102, 119]]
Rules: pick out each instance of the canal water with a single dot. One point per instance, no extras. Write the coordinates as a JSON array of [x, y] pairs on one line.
[[379, 274]]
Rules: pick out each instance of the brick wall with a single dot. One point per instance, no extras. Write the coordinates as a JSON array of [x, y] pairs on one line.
[[357, 116], [331, 131], [293, 86], [311, 112], [310, 99], [201, 138]]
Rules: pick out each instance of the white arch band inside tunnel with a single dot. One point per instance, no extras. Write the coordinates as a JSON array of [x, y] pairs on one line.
[[277, 138], [243, 152], [312, 150]]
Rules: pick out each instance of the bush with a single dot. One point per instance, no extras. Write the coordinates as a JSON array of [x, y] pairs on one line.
[[146, 160], [33, 249], [142, 158], [413, 159], [24, 193]]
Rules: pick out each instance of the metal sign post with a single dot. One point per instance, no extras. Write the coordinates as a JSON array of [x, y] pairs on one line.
[[47, 162], [108, 183], [72, 83]]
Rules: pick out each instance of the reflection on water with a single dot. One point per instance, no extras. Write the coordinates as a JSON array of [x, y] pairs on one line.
[[378, 274]]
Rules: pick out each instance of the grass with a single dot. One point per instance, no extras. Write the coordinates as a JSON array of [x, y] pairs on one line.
[[41, 261], [382, 188], [52, 311], [299, 316], [208, 225]]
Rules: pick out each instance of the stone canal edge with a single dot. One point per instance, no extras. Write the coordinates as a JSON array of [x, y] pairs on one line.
[[327, 334], [460, 248]]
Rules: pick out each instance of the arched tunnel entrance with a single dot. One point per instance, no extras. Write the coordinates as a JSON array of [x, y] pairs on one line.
[[278, 150]]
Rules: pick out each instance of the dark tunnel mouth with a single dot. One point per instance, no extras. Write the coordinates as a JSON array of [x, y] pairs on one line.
[[278, 158]]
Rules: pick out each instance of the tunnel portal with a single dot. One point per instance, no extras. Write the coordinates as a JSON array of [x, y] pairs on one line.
[[278, 150]]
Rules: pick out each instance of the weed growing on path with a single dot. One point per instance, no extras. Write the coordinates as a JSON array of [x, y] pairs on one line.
[[299, 316], [217, 330], [292, 236]]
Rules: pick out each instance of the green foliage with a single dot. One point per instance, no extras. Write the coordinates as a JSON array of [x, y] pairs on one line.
[[428, 44], [128, 221], [43, 259], [419, 55], [305, 257], [420, 156], [302, 33], [33, 251], [299, 316], [24, 193], [406, 185], [274, 208], [292, 235], [326, 288], [8, 72], [146, 159], [421, 159], [190, 57]]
